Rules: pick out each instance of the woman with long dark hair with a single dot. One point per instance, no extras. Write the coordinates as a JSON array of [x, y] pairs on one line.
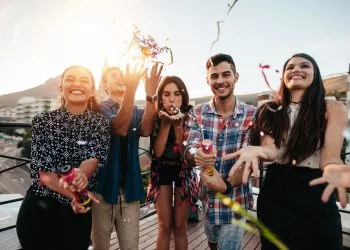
[[168, 168], [301, 133], [75, 135]]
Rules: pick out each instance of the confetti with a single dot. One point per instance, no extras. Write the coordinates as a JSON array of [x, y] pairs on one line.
[[146, 48], [193, 151], [218, 28]]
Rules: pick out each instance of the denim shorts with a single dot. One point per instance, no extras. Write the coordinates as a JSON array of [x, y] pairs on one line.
[[228, 236]]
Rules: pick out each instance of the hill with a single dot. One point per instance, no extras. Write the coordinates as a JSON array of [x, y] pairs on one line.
[[48, 89], [335, 85]]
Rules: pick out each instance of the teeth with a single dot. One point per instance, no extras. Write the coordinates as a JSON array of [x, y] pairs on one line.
[[77, 92]]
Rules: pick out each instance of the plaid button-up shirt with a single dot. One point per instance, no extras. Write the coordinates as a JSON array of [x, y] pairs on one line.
[[227, 136]]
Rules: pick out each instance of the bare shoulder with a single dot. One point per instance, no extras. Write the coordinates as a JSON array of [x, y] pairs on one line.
[[335, 108]]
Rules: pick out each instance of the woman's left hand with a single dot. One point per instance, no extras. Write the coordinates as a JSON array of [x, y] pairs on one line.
[[338, 177], [248, 158], [78, 184], [79, 208]]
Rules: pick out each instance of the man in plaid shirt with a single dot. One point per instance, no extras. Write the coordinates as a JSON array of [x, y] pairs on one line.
[[225, 121]]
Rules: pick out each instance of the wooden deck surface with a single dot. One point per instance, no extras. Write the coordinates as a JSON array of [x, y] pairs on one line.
[[196, 236]]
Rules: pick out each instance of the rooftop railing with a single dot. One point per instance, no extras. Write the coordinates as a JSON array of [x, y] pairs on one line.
[[24, 161]]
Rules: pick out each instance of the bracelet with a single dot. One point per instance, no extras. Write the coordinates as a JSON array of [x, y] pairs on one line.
[[228, 189]]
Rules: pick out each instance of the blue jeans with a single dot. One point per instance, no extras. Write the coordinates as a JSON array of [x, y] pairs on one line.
[[227, 236]]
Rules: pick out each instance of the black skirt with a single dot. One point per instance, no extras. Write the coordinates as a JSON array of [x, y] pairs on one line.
[[293, 210]]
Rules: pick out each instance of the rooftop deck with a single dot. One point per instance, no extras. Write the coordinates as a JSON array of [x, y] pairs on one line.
[[195, 233]]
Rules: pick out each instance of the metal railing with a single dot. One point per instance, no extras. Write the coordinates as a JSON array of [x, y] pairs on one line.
[[25, 161]]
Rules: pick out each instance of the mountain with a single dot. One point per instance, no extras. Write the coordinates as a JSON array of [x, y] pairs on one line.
[[48, 89], [334, 84]]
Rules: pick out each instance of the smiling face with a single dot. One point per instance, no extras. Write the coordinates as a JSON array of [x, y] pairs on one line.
[[113, 83], [222, 79], [77, 86], [298, 74]]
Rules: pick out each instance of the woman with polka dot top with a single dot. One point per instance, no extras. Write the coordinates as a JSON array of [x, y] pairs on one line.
[[74, 135]]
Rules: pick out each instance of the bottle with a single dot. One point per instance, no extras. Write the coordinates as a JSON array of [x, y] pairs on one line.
[[207, 148], [68, 174]]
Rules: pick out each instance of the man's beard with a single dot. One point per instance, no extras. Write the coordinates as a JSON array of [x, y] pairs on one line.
[[225, 97]]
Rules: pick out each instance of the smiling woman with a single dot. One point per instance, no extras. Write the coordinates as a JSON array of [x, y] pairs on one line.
[[73, 135]]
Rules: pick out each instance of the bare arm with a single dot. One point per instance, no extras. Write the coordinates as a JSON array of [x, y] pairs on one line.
[[179, 136], [151, 86], [161, 139], [51, 180], [121, 121], [334, 172], [333, 141]]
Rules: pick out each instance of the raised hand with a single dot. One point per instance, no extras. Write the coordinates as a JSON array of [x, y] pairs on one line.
[[152, 81], [132, 78]]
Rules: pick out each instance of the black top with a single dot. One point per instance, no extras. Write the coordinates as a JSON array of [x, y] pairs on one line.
[[168, 153], [60, 138]]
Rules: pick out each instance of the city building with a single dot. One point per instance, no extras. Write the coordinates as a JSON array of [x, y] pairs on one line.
[[7, 114], [27, 107]]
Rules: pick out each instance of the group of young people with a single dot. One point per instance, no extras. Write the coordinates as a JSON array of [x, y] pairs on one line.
[[299, 131]]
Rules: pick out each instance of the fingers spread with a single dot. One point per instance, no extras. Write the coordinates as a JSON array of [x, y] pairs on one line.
[[327, 193], [317, 181], [342, 197], [231, 156]]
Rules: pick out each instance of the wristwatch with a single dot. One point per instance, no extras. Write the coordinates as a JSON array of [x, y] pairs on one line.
[[152, 98]]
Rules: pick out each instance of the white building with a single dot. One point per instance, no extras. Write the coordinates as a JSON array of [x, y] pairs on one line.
[[27, 107], [7, 114]]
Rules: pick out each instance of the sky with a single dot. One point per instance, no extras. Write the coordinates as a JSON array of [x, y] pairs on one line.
[[40, 38]]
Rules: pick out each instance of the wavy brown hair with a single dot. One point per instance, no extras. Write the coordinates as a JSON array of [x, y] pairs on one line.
[[183, 90], [94, 104], [308, 132]]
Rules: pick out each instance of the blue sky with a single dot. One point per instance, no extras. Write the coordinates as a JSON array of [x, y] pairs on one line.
[[39, 38]]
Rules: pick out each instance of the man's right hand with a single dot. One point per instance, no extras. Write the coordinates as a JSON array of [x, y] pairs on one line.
[[204, 160], [132, 78]]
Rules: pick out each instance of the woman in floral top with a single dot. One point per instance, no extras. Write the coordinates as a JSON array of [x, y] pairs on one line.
[[77, 135], [168, 168]]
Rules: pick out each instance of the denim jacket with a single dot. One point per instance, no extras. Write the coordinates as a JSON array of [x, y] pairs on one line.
[[110, 177]]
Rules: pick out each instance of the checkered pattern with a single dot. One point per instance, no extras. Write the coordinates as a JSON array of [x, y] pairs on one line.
[[228, 136]]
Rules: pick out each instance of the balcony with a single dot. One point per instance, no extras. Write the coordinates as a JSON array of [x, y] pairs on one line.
[[14, 181]]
